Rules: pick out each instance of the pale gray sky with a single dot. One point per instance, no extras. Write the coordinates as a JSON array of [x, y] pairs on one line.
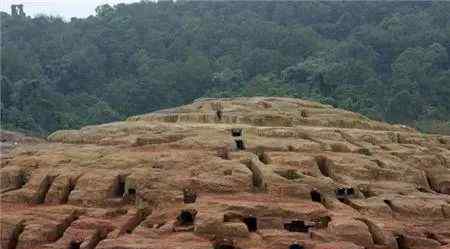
[[64, 8]]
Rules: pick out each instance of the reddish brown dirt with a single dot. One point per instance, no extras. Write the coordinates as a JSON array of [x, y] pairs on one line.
[[121, 185]]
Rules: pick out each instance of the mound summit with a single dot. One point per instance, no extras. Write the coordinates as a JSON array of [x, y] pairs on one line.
[[243, 173]]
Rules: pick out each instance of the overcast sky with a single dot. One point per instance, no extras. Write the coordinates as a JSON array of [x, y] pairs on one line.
[[64, 8]]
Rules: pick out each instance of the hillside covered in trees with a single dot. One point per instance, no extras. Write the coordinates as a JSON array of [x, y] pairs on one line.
[[387, 60]]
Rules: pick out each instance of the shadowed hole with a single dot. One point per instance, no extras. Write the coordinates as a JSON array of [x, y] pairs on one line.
[[236, 132], [251, 223], [297, 226], [389, 203], [401, 242], [350, 191], [70, 188], [344, 193], [120, 188], [22, 180], [187, 217], [130, 194], [291, 148], [316, 196], [219, 115], [240, 144], [340, 191], [304, 114], [131, 191], [296, 246], [74, 245]]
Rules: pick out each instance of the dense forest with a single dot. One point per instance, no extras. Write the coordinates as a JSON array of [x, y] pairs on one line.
[[387, 60]]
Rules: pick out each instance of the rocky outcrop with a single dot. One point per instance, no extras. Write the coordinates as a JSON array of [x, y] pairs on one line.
[[298, 175]]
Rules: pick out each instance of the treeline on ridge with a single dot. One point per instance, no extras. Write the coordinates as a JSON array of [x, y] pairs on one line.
[[386, 60]]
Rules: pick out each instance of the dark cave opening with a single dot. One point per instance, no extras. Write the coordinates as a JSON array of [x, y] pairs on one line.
[[316, 196], [74, 245], [297, 226], [251, 222], [120, 188], [240, 144], [296, 246], [187, 217]]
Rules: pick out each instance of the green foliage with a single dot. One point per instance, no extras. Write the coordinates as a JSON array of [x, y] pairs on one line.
[[387, 60]]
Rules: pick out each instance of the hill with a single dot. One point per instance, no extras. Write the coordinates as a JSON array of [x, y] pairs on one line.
[[387, 60], [262, 172]]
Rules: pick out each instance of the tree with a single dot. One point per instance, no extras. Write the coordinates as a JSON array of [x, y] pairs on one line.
[[404, 107], [104, 10], [370, 57]]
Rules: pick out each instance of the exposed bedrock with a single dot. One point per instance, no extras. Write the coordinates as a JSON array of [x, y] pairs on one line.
[[242, 173]]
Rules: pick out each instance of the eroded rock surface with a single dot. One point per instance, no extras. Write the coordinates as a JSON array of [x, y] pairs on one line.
[[242, 173]]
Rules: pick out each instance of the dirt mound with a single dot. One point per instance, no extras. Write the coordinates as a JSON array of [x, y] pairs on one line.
[[243, 173]]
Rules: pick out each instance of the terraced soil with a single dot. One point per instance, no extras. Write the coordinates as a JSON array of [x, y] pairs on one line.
[[296, 174]]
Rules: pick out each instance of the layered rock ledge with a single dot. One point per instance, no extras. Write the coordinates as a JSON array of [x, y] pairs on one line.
[[247, 173]]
